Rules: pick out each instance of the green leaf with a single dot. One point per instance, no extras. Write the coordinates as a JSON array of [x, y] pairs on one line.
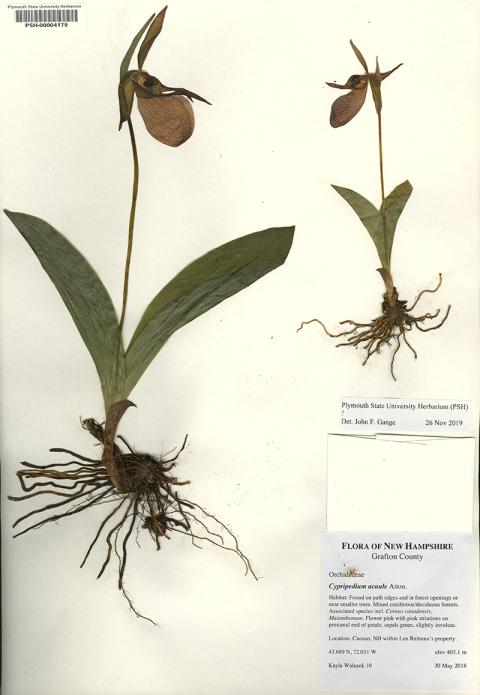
[[393, 208], [203, 284], [152, 33], [85, 297], [128, 55], [370, 217], [381, 224]]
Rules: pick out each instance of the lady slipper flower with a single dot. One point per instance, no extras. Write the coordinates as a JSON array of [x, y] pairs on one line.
[[348, 105], [166, 111]]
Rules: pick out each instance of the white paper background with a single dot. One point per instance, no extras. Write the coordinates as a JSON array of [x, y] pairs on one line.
[[256, 398]]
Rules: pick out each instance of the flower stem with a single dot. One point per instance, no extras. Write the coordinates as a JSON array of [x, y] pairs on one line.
[[380, 155], [131, 222], [382, 184], [390, 294]]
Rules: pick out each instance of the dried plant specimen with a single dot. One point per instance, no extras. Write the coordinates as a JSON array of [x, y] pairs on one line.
[[395, 323], [141, 489]]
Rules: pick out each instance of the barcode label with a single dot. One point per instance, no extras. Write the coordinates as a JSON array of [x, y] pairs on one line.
[[46, 15]]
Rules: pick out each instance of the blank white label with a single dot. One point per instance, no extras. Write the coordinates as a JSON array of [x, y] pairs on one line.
[[400, 483]]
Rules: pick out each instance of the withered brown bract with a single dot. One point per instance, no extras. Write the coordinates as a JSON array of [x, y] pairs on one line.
[[169, 119]]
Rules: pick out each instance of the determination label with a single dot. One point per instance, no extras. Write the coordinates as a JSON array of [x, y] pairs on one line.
[[406, 415]]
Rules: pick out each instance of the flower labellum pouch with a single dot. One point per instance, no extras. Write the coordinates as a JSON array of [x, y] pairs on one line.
[[167, 114], [169, 120]]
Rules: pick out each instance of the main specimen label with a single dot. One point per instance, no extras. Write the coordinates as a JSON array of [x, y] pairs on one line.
[[399, 612]]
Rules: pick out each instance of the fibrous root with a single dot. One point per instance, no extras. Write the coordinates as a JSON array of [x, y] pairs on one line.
[[394, 324], [149, 500]]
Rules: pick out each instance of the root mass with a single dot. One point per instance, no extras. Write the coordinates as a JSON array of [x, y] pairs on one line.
[[394, 324], [149, 499]]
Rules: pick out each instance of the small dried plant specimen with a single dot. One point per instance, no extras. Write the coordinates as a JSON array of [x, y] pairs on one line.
[[141, 489], [396, 321]]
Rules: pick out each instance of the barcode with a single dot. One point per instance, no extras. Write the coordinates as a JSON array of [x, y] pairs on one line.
[[46, 15]]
